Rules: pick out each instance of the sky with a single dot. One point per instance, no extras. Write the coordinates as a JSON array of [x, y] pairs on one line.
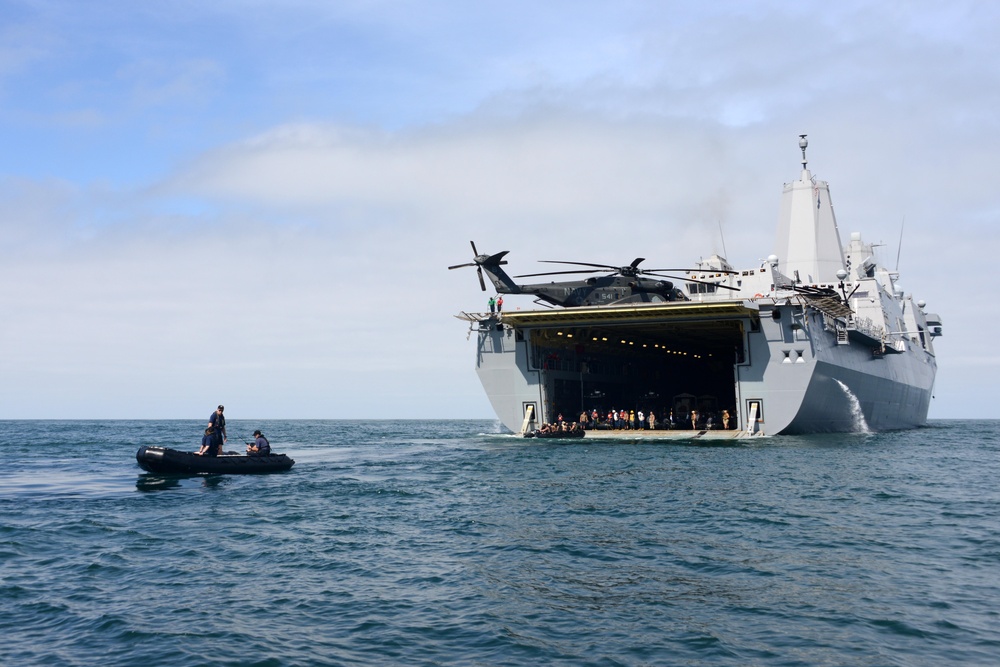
[[254, 202]]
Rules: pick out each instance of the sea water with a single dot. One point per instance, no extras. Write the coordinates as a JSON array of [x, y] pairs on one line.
[[452, 543]]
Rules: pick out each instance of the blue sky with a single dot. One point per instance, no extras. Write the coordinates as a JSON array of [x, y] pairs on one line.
[[254, 202]]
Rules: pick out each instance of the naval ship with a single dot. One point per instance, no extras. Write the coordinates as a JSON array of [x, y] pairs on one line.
[[819, 337]]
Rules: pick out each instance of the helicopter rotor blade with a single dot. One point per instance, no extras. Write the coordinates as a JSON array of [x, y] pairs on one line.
[[482, 260], [559, 273], [691, 280], [603, 266], [629, 270], [663, 275], [692, 270]]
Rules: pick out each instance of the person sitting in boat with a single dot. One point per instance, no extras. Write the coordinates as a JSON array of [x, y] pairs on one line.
[[208, 447], [260, 446]]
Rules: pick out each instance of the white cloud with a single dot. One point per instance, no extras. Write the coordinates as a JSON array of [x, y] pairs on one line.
[[300, 271], [353, 299]]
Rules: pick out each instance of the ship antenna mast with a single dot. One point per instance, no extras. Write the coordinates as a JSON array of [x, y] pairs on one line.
[[899, 250], [803, 142]]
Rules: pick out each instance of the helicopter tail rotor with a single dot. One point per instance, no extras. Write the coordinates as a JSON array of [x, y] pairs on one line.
[[479, 261]]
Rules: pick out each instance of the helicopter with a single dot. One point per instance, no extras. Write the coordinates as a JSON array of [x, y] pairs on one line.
[[619, 284]]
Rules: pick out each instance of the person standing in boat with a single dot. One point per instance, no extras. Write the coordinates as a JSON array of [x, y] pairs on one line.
[[260, 446], [217, 421]]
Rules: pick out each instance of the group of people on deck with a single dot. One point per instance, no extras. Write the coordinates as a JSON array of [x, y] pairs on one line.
[[637, 420], [215, 437]]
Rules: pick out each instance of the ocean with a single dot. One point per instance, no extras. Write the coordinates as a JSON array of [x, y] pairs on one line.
[[451, 543]]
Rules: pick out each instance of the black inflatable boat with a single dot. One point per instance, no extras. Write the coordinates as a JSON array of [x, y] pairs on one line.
[[555, 434], [164, 460]]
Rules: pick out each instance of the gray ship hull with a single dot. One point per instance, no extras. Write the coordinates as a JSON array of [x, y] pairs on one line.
[[775, 368]]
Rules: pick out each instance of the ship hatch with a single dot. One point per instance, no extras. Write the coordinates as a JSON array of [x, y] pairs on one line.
[[650, 358]]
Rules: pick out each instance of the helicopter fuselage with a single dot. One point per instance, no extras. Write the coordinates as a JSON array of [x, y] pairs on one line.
[[600, 291], [595, 291]]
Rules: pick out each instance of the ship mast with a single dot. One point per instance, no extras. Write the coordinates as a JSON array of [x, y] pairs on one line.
[[808, 241]]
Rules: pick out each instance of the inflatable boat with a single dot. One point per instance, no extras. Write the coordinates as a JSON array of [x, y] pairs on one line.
[[555, 434], [165, 460]]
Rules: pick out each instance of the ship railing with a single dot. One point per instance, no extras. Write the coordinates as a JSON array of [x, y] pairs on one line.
[[862, 329], [866, 326]]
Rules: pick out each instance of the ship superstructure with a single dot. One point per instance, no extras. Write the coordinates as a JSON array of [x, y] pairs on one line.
[[817, 338]]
